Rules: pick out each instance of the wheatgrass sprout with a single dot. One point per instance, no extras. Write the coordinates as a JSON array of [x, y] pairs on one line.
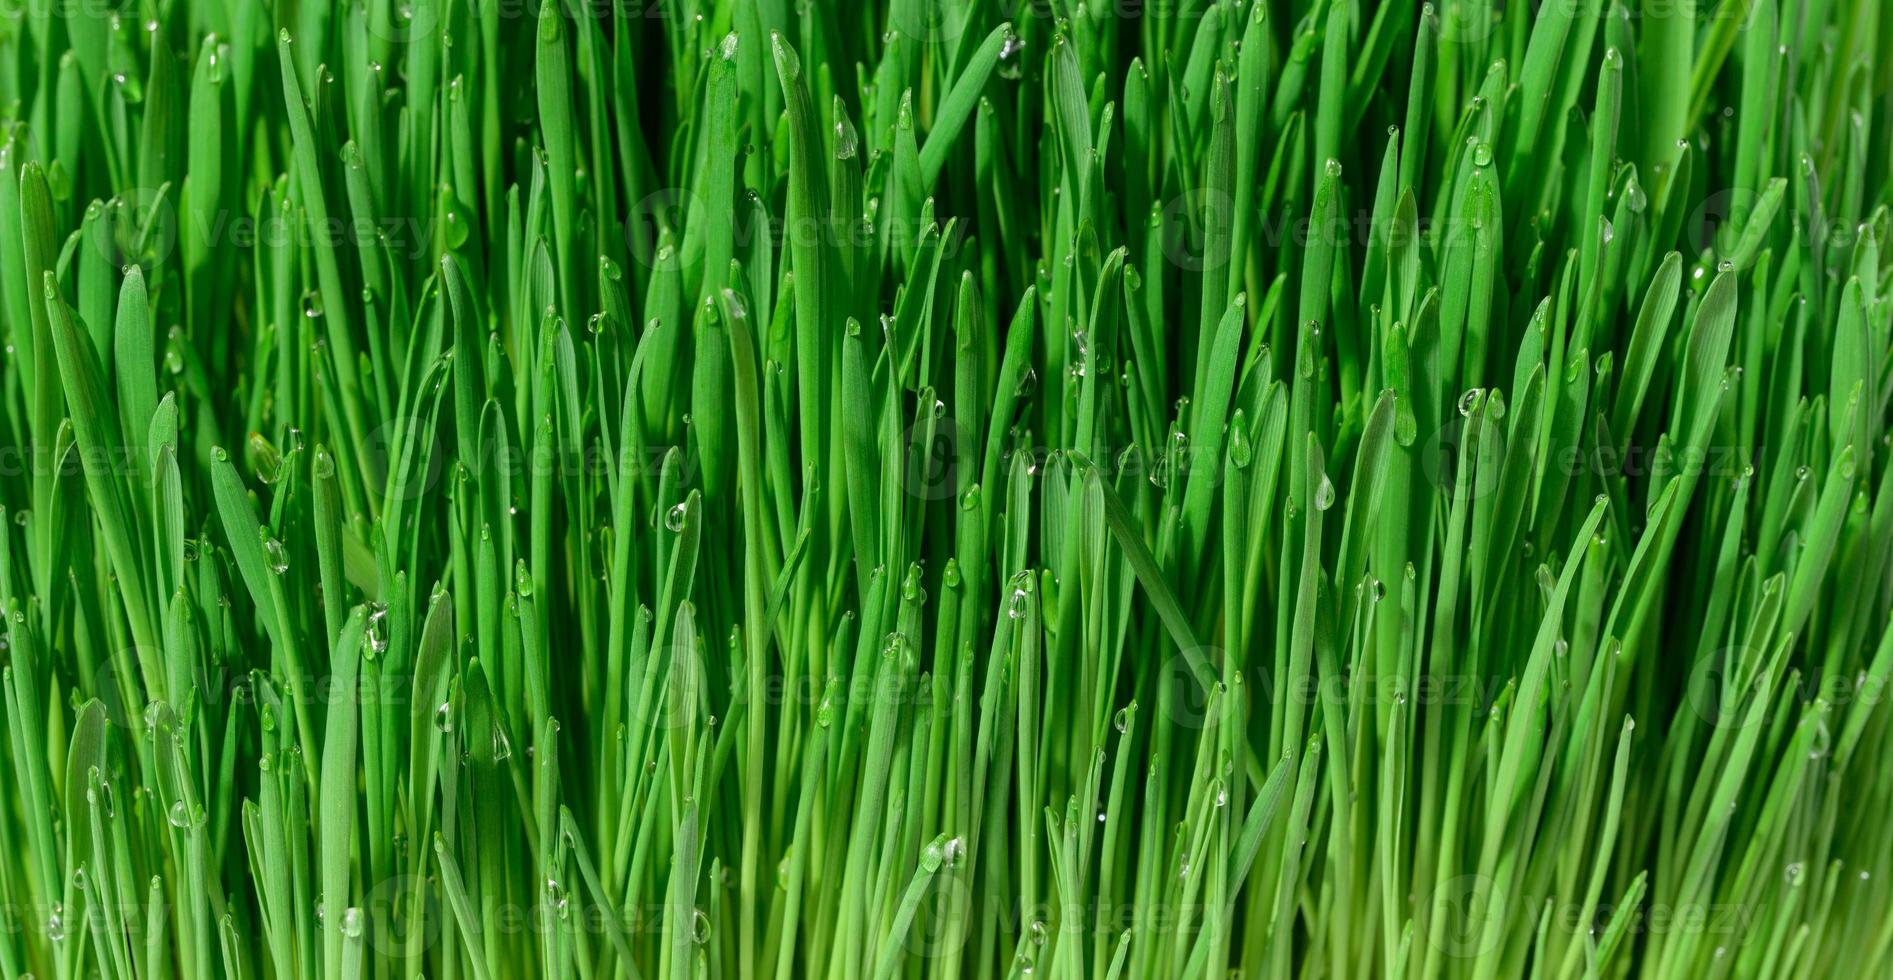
[[929, 489]]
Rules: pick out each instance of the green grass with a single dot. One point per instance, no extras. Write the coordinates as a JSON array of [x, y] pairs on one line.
[[694, 488]]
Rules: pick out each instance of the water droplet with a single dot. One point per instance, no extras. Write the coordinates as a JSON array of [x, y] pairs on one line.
[[179, 815], [1219, 793], [674, 518], [1308, 350], [352, 922], [699, 927], [1122, 720], [1324, 493], [56, 923], [825, 711], [375, 631], [1015, 608], [1010, 56], [1240, 452], [502, 746], [1469, 401], [444, 718], [1482, 155], [268, 461], [933, 855], [106, 800]]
